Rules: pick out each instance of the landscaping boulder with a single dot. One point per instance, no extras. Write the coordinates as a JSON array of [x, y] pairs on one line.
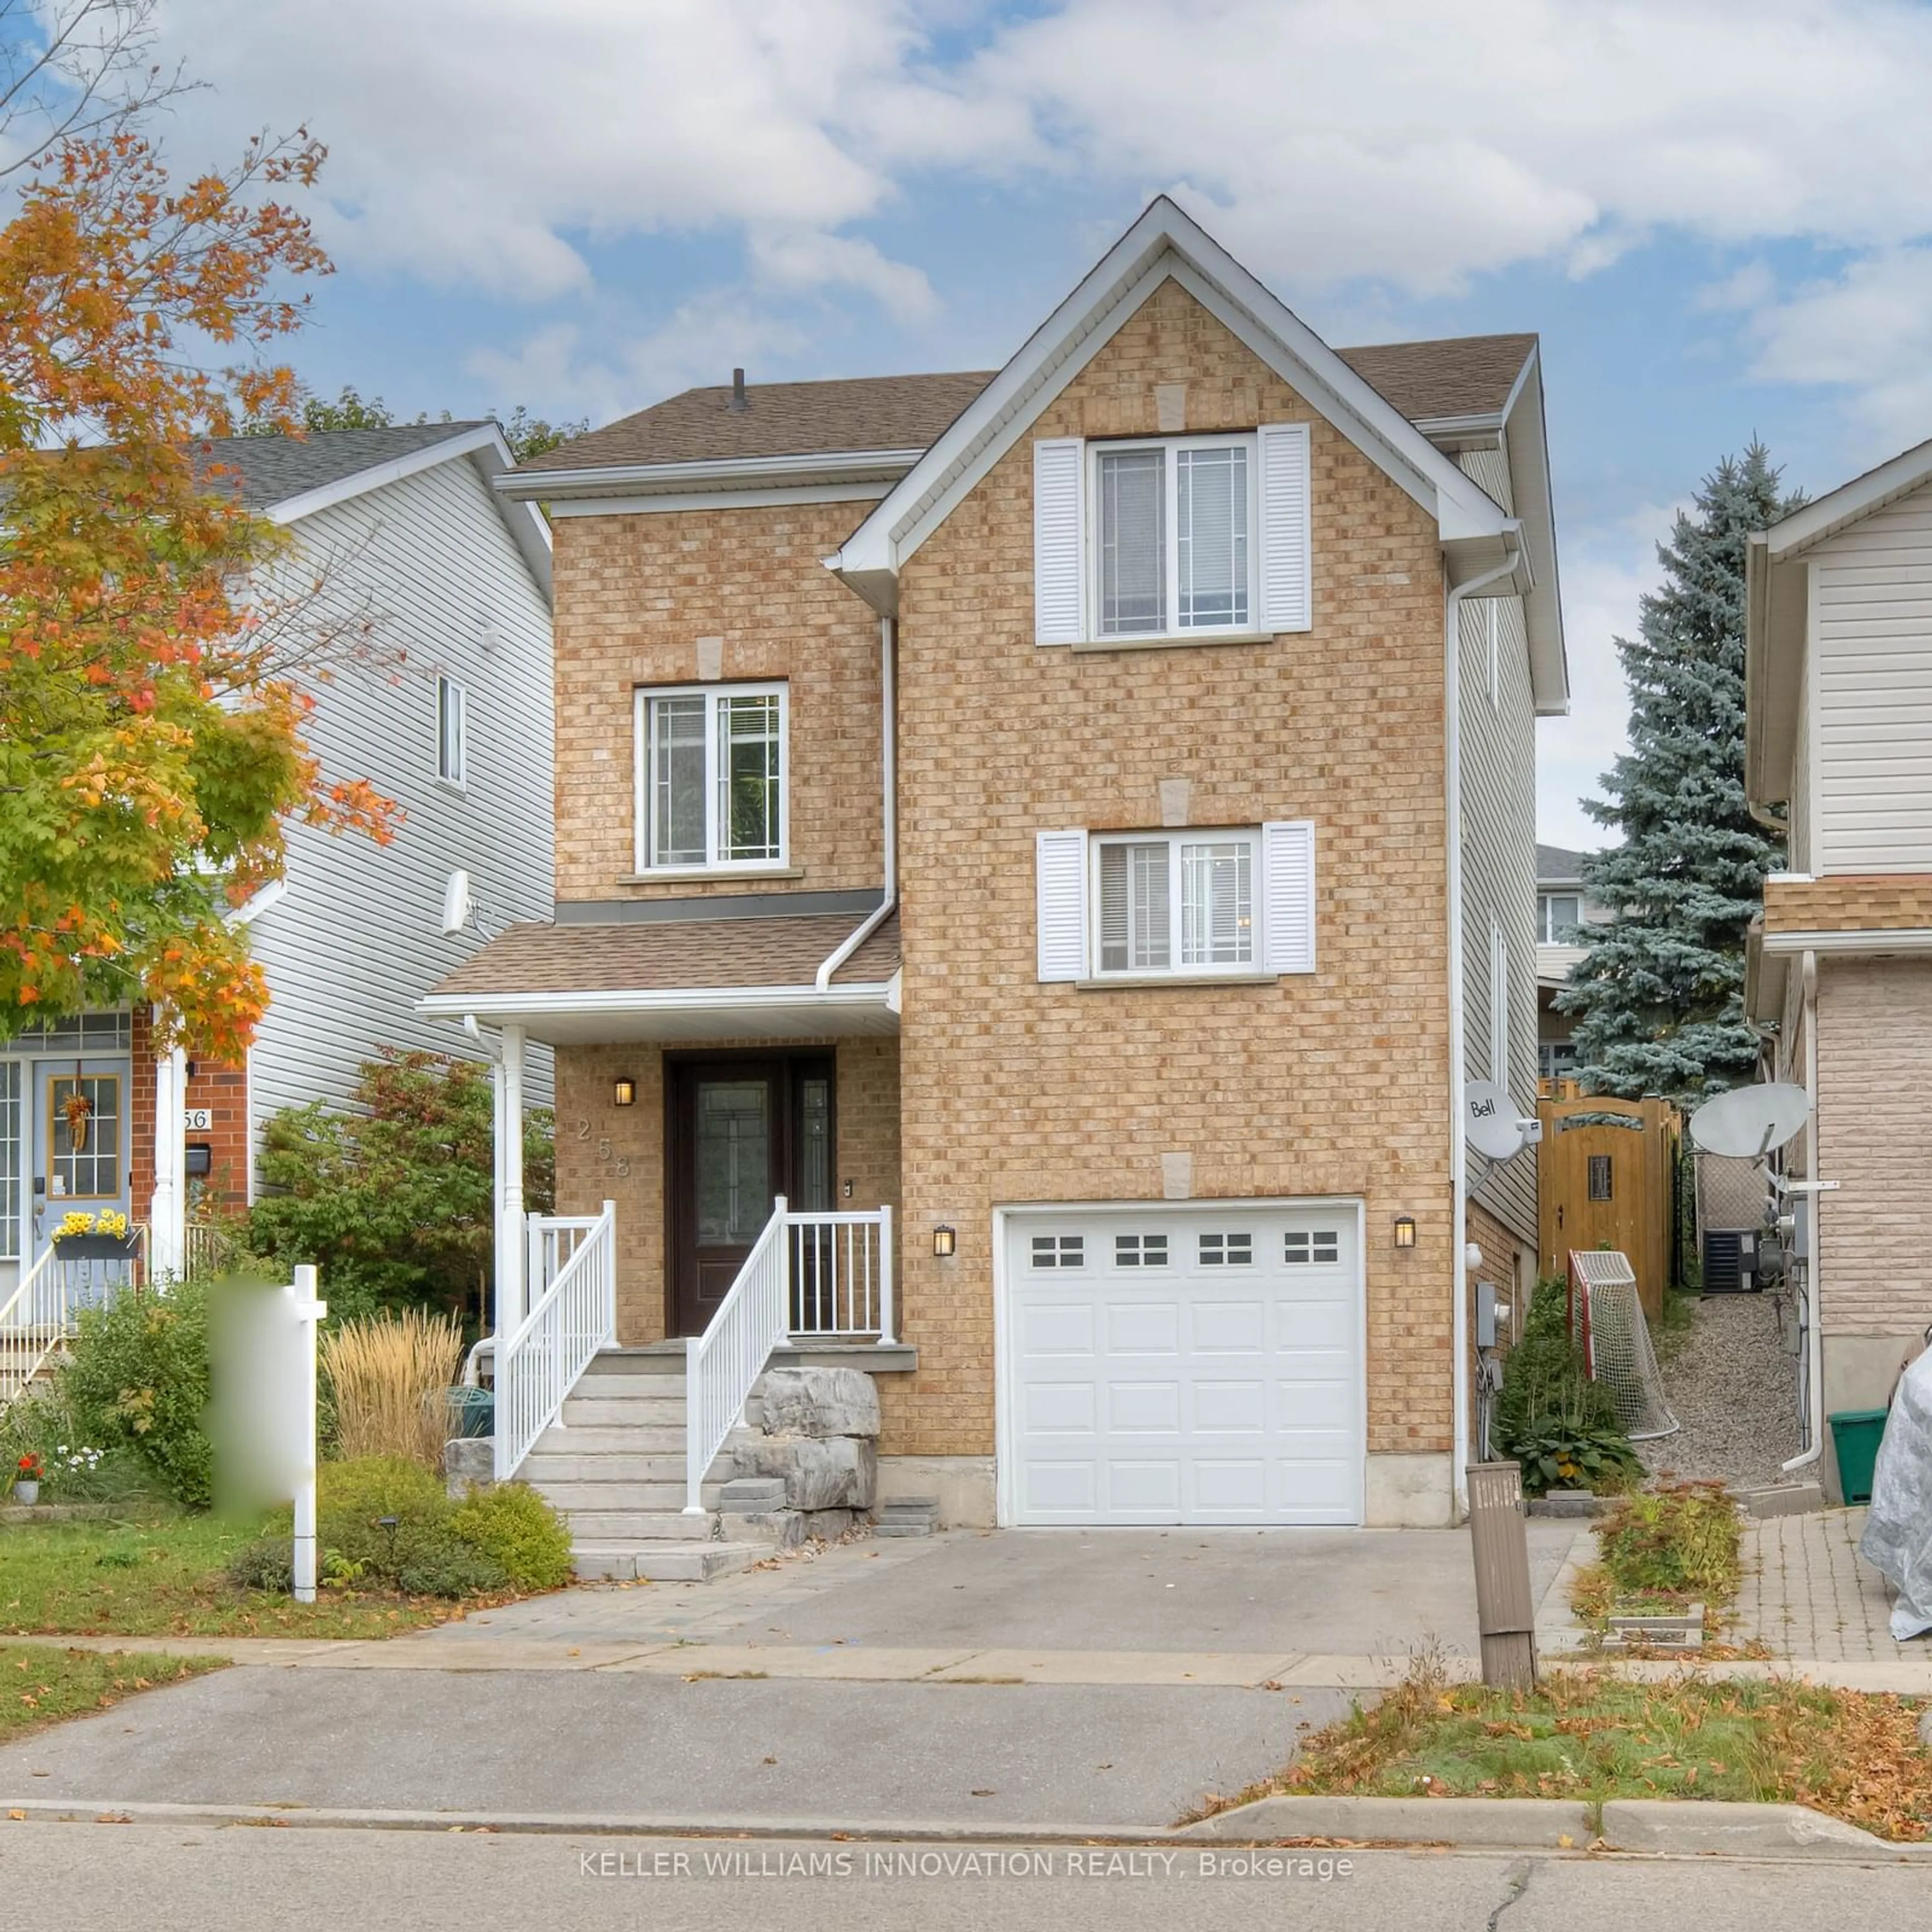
[[819, 1402], [841, 1472], [469, 1462]]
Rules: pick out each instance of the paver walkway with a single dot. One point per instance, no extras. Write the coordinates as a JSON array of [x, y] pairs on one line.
[[1808, 1593]]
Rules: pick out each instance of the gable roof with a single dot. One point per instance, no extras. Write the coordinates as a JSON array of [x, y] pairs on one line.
[[286, 478], [1463, 376], [1557, 865], [1446, 380], [1165, 243], [906, 413], [266, 470]]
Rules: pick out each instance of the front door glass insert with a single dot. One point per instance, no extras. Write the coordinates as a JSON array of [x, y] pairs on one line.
[[733, 1160]]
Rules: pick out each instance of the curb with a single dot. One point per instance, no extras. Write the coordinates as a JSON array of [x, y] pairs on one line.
[[1658, 1828]]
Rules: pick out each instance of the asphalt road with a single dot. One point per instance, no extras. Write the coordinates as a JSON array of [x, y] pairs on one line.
[[81, 1877]]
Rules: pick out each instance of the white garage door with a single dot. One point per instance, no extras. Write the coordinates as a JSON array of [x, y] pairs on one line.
[[1202, 1367]]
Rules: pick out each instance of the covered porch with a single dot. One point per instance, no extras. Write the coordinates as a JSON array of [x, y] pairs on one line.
[[728, 1147]]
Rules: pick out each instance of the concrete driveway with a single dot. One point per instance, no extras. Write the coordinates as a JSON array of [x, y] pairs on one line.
[[1101, 1681]]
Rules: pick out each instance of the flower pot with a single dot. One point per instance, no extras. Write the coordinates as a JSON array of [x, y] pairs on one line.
[[97, 1247], [26, 1491]]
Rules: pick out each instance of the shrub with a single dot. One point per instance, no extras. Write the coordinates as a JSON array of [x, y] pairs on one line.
[[1679, 1539], [392, 1200], [138, 1377], [80, 1468], [387, 1377], [1560, 1426], [512, 1525]]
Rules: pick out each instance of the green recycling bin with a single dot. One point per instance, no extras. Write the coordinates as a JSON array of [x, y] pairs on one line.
[[472, 1412], [1855, 1435]]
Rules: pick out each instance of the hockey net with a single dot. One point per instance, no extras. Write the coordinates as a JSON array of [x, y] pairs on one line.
[[1607, 1319]]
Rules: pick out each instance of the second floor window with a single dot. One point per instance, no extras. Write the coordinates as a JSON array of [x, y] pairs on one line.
[[711, 776], [1177, 904], [452, 732], [1560, 911]]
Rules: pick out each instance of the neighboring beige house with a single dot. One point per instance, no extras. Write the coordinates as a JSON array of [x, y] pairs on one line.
[[1081, 817], [1562, 905], [1839, 748]]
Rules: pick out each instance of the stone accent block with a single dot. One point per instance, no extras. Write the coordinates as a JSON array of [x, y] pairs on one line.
[[469, 1462], [820, 1402], [841, 1472]]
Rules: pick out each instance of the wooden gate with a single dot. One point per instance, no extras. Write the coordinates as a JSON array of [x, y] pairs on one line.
[[1603, 1179]]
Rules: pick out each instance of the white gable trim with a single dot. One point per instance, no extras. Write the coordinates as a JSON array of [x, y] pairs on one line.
[[489, 454], [1829, 514], [1164, 243]]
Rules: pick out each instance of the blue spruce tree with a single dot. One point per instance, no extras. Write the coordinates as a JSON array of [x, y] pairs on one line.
[[1658, 999]]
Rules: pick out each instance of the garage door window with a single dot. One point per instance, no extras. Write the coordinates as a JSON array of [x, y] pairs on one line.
[[1227, 1250], [1059, 1251], [1140, 1251], [1303, 1247]]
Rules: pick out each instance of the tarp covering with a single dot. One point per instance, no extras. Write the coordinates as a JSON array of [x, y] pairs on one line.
[[1897, 1541]]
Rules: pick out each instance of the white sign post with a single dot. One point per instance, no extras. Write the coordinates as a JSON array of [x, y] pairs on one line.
[[308, 1312]]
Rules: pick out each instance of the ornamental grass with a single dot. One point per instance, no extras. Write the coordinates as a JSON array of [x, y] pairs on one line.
[[391, 1376]]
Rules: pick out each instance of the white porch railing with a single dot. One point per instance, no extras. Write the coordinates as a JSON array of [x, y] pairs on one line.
[[41, 1314], [573, 1314], [811, 1276], [841, 1276]]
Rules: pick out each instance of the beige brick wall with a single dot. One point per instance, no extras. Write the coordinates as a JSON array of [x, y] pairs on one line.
[[605, 1152], [1332, 1084], [1875, 1140], [634, 595]]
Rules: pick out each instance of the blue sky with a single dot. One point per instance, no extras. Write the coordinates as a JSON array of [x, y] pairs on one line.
[[1718, 218]]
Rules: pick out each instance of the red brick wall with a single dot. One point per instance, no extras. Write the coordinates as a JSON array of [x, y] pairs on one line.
[[223, 1091]]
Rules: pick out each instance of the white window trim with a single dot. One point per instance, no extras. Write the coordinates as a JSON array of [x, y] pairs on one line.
[[1173, 632], [1252, 968], [1499, 1012], [448, 689], [1546, 930], [643, 791], [1492, 607]]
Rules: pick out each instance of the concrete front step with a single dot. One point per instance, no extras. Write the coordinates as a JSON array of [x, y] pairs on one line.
[[606, 1412], [609, 1439], [627, 1525], [572, 1497], [597, 1380], [566, 1464], [657, 1562]]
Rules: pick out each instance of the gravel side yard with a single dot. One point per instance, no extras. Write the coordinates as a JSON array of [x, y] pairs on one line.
[[1735, 1390]]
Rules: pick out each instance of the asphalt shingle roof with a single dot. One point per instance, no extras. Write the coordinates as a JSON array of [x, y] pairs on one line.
[[1464, 375], [272, 469], [1557, 862], [779, 950]]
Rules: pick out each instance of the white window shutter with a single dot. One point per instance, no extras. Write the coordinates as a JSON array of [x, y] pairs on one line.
[[1059, 571], [1060, 876], [1284, 546], [1287, 886]]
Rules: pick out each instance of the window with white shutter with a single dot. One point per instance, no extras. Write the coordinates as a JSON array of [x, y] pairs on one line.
[[1060, 884], [1285, 599], [1288, 869], [1059, 541]]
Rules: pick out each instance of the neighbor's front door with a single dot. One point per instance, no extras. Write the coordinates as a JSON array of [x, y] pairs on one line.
[[742, 1132]]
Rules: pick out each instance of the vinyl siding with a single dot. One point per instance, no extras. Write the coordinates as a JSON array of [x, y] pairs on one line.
[[357, 939], [1498, 784], [1872, 598]]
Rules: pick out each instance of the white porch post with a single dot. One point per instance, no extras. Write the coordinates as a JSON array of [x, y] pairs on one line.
[[167, 1211], [512, 1303]]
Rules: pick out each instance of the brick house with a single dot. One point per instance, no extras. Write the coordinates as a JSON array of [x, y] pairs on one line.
[[1085, 811], [443, 586], [1838, 753]]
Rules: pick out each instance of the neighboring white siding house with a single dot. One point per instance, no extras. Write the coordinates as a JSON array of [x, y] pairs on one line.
[[1865, 747], [1498, 781], [446, 710]]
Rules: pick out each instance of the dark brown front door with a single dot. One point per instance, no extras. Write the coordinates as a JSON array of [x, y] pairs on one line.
[[742, 1132]]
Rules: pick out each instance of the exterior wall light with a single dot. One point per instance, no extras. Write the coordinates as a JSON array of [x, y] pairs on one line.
[[943, 1239], [1404, 1231], [623, 1093]]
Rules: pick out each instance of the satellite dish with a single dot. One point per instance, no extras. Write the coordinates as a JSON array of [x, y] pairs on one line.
[[456, 907], [1748, 1122], [1490, 1124]]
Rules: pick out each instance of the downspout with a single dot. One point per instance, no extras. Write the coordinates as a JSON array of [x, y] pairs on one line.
[[505, 1052], [1814, 1380], [1458, 1159], [889, 789]]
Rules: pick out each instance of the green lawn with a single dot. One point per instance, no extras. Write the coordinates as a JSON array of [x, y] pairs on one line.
[[167, 1579], [40, 1685], [1587, 1735]]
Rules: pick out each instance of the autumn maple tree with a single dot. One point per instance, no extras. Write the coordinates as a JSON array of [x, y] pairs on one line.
[[153, 690]]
